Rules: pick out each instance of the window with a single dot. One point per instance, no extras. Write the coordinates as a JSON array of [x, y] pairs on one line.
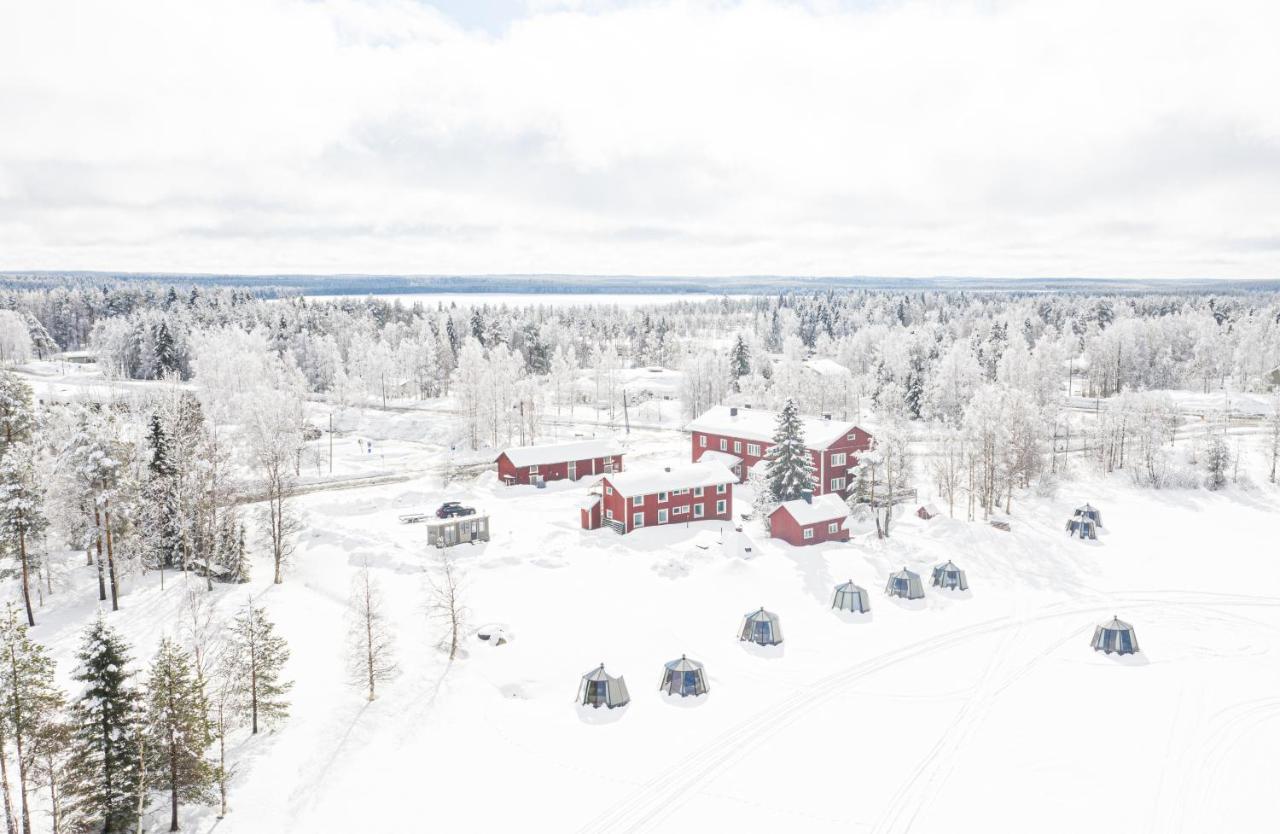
[[808, 532], [702, 440], [637, 500], [724, 445], [533, 470], [697, 492], [753, 449], [637, 519], [679, 510], [737, 447], [721, 509], [833, 527], [662, 496], [684, 491], [608, 490], [608, 514], [851, 437], [838, 459], [837, 484], [662, 516], [720, 489], [698, 510]]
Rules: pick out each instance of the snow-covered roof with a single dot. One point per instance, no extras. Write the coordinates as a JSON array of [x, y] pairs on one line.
[[561, 452], [760, 424], [822, 366], [824, 508], [716, 456], [649, 481]]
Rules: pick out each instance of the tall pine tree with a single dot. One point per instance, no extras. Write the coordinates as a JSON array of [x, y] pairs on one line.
[[31, 704], [739, 363], [789, 469], [105, 774], [177, 731], [21, 514], [256, 660]]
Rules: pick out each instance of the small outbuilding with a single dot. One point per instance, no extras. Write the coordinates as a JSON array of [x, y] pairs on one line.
[[811, 519], [446, 532], [1116, 636], [927, 511], [684, 677], [600, 689], [849, 597], [949, 577], [1090, 512], [1084, 528], [761, 627], [905, 584]]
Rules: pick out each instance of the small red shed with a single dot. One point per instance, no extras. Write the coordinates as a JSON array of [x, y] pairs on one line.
[[810, 520]]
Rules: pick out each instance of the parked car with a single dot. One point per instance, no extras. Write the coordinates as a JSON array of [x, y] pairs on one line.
[[451, 508]]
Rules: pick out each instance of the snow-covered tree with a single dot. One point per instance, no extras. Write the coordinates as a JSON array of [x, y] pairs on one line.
[[790, 468], [371, 652], [447, 606], [1217, 460], [176, 730], [22, 518], [255, 661], [31, 703], [104, 774]]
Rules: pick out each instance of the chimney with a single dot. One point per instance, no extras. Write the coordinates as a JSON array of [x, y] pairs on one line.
[[666, 469], [733, 412], [826, 416]]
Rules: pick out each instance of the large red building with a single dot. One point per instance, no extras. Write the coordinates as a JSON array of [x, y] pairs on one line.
[[812, 520], [555, 462], [740, 437], [628, 501]]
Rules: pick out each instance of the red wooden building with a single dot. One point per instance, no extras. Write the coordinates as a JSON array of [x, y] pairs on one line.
[[811, 520], [556, 462], [627, 501], [740, 437]]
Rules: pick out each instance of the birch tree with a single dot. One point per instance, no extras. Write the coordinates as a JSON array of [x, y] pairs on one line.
[[371, 652]]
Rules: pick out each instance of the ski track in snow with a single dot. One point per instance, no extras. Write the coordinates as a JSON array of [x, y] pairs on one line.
[[661, 796]]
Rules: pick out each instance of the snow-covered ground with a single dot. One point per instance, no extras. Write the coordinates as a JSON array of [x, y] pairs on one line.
[[985, 709]]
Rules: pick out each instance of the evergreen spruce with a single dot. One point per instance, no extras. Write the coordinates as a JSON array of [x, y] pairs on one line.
[[31, 704], [789, 469], [162, 511], [177, 731], [105, 771], [739, 362], [17, 415], [255, 662]]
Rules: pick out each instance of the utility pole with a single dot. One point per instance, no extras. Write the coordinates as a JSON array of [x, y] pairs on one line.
[[626, 417], [330, 442]]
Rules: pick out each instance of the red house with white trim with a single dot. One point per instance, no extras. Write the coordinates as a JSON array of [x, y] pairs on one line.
[[812, 520], [628, 501], [559, 461], [740, 437]]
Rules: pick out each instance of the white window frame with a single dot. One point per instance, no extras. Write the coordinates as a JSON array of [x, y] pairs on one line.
[[851, 437], [533, 470], [697, 492], [724, 445], [808, 533], [702, 441], [837, 484], [753, 449], [637, 500], [838, 459], [637, 520], [663, 518], [722, 507], [833, 527], [608, 490], [608, 514], [737, 447], [699, 510], [662, 496], [721, 488]]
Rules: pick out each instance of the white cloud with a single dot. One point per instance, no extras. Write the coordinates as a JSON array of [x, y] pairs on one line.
[[1014, 138]]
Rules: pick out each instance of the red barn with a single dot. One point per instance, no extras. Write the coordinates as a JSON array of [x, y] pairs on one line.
[[558, 461], [673, 495], [812, 520], [741, 437]]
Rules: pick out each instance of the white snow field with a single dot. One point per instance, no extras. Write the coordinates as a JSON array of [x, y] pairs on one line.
[[984, 710]]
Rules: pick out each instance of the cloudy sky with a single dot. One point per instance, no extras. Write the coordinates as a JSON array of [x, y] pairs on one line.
[[833, 137]]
